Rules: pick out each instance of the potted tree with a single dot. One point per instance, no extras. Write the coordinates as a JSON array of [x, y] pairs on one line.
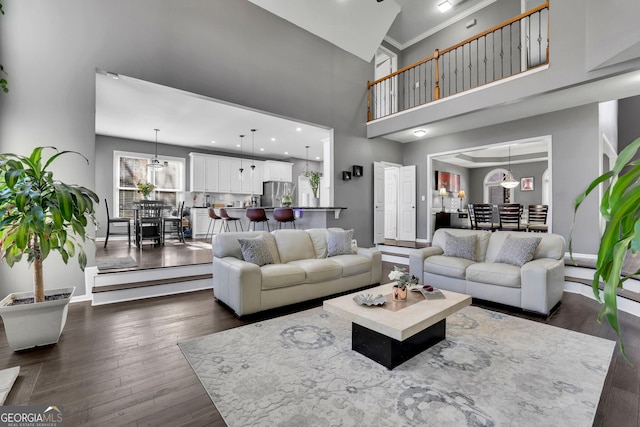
[[620, 208], [39, 215], [314, 183]]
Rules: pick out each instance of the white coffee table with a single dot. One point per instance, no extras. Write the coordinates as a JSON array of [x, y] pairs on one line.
[[393, 333]]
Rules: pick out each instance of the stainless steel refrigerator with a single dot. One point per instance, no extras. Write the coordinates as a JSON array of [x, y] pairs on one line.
[[273, 192]]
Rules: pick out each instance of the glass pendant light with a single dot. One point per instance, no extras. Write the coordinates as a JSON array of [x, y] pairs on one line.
[[155, 164], [241, 168], [509, 181], [253, 153]]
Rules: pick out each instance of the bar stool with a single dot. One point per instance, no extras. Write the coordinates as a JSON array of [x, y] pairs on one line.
[[284, 216], [257, 215], [226, 219], [212, 223]]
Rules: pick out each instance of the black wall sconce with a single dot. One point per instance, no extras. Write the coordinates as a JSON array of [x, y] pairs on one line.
[[346, 175], [357, 171]]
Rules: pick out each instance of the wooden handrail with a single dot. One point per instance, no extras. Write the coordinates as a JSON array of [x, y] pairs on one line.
[[543, 6], [497, 27]]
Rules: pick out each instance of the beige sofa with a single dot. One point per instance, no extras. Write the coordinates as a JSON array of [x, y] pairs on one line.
[[301, 270], [536, 286]]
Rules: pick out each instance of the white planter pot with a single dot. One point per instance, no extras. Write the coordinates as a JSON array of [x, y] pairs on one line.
[[315, 202], [31, 325]]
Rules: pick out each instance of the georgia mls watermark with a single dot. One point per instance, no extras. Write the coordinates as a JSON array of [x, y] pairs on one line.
[[31, 416]]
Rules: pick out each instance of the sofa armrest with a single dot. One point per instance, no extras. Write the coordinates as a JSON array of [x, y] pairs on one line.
[[417, 257], [238, 284], [542, 282], [376, 262]]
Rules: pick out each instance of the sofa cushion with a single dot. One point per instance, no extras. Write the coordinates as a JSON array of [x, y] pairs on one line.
[[353, 264], [339, 242], [482, 239], [281, 275], [319, 270], [460, 246], [495, 274], [319, 241], [256, 250], [447, 266], [518, 250], [294, 245]]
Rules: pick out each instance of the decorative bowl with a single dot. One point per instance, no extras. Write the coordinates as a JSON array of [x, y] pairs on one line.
[[370, 299]]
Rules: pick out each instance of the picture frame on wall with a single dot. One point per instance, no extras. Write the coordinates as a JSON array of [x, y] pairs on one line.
[[448, 180], [526, 184]]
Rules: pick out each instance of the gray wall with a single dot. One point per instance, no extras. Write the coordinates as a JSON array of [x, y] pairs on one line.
[[575, 138], [229, 50], [628, 123]]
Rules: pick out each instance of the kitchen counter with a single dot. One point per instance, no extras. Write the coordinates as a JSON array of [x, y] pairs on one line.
[[335, 209]]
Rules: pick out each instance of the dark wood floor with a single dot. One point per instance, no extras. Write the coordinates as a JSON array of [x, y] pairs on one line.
[[119, 364], [172, 253]]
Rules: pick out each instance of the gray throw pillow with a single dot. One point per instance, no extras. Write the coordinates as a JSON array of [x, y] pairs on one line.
[[460, 246], [518, 250], [339, 242], [256, 250]]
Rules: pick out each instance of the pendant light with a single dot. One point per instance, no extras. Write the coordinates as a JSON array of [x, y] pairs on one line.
[[253, 153], [241, 168], [306, 166], [155, 164], [509, 181]]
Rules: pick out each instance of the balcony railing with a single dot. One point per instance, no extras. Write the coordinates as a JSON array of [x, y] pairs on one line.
[[513, 47]]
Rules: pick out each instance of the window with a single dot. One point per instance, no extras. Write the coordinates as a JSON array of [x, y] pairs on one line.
[[494, 193], [131, 169]]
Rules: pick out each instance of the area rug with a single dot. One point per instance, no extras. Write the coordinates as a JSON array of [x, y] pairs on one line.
[[492, 370], [7, 378], [115, 263]]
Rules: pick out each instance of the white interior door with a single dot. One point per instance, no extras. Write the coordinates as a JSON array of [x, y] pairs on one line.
[[378, 202], [407, 204], [391, 203]]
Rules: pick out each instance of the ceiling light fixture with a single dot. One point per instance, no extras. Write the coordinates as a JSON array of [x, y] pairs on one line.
[[155, 163], [509, 181], [306, 166], [241, 169], [419, 132], [444, 6], [253, 154]]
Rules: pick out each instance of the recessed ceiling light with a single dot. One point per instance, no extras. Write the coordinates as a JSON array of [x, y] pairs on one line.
[[317, 157], [298, 129], [237, 145], [286, 152], [262, 149], [213, 142], [444, 6], [419, 132], [273, 139]]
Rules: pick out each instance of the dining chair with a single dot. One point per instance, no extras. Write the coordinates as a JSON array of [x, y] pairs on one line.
[[174, 221], [538, 218], [149, 226], [226, 219], [116, 220], [284, 216], [483, 217], [510, 217], [257, 215]]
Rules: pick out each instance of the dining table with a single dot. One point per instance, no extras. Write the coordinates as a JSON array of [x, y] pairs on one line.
[[136, 208]]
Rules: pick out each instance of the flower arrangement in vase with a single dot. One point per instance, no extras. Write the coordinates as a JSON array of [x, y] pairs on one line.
[[286, 200], [146, 188], [403, 280]]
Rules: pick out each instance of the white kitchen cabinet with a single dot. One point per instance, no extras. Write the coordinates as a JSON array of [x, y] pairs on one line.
[[224, 175], [200, 222], [253, 184], [277, 171], [204, 173], [234, 175]]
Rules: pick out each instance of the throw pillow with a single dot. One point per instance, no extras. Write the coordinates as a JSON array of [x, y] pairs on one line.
[[460, 246], [256, 250], [339, 242], [518, 250]]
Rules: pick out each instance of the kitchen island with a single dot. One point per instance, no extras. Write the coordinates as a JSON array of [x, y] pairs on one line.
[[306, 217]]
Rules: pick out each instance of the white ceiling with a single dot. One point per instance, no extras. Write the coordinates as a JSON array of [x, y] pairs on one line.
[[130, 108]]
